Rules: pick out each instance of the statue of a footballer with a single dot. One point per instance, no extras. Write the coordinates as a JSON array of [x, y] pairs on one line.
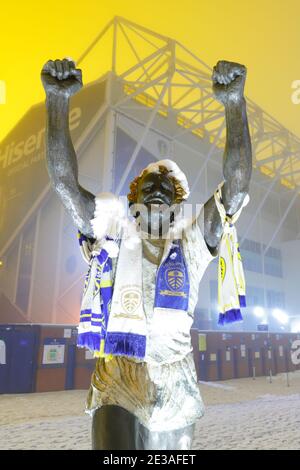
[[138, 303]]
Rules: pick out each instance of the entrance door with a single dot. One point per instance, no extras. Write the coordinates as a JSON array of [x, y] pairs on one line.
[[17, 359], [235, 362], [5, 348], [22, 361]]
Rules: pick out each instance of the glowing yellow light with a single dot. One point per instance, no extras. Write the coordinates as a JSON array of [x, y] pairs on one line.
[[2, 92]]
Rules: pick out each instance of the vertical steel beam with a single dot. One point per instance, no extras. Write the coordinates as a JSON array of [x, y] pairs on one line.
[[114, 47], [34, 274], [58, 265], [109, 150], [209, 154], [143, 136], [261, 204], [296, 194], [18, 267]]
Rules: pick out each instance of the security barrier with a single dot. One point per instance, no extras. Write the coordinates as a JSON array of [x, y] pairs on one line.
[[223, 356], [45, 358], [56, 358], [295, 346], [256, 353], [211, 357], [239, 355], [84, 367], [280, 346], [18, 357], [42, 358]]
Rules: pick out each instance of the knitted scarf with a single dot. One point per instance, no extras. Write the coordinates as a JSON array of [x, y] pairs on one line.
[[112, 319], [231, 279]]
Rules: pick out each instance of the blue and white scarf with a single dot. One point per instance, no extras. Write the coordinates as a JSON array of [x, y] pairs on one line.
[[112, 320]]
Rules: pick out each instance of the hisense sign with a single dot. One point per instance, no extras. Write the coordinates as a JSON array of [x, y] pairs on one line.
[[23, 172], [13, 153]]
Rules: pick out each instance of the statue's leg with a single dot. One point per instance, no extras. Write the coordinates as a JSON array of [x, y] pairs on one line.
[[178, 439], [113, 428]]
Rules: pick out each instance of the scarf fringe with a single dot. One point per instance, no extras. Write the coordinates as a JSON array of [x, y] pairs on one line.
[[125, 344], [230, 316], [242, 299], [90, 340]]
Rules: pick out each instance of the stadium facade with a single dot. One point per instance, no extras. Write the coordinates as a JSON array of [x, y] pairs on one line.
[[153, 100]]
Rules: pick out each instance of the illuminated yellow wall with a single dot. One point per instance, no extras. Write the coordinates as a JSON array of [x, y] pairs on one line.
[[263, 34]]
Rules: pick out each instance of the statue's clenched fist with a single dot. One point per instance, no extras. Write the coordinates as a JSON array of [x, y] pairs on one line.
[[229, 81], [61, 78]]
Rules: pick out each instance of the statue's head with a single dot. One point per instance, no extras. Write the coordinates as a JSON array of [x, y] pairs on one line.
[[156, 194]]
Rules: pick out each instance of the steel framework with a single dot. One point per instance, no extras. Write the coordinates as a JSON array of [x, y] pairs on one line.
[[163, 75], [163, 78]]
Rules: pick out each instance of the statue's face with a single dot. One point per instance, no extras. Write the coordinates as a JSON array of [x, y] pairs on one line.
[[156, 194], [156, 188]]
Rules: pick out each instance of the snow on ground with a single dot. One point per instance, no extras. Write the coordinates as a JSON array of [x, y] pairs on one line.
[[240, 414]]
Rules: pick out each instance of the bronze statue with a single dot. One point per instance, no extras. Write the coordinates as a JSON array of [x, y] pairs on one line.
[[151, 403]]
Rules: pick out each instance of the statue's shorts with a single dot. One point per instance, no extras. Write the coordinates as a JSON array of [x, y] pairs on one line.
[[163, 397]]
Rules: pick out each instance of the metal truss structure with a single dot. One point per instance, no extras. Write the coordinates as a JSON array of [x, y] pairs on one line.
[[165, 77], [161, 77]]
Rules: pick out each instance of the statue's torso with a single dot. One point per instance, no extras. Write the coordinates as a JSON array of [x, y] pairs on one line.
[[155, 389], [168, 333]]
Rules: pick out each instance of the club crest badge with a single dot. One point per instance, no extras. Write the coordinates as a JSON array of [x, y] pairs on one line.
[[175, 279], [131, 300]]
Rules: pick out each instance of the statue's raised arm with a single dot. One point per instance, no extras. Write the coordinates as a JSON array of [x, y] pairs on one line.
[[228, 86], [61, 80]]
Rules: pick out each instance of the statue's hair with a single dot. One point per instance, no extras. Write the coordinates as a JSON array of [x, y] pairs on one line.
[[179, 191]]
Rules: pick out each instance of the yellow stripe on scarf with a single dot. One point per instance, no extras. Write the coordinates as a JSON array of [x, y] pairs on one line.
[[101, 353]]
